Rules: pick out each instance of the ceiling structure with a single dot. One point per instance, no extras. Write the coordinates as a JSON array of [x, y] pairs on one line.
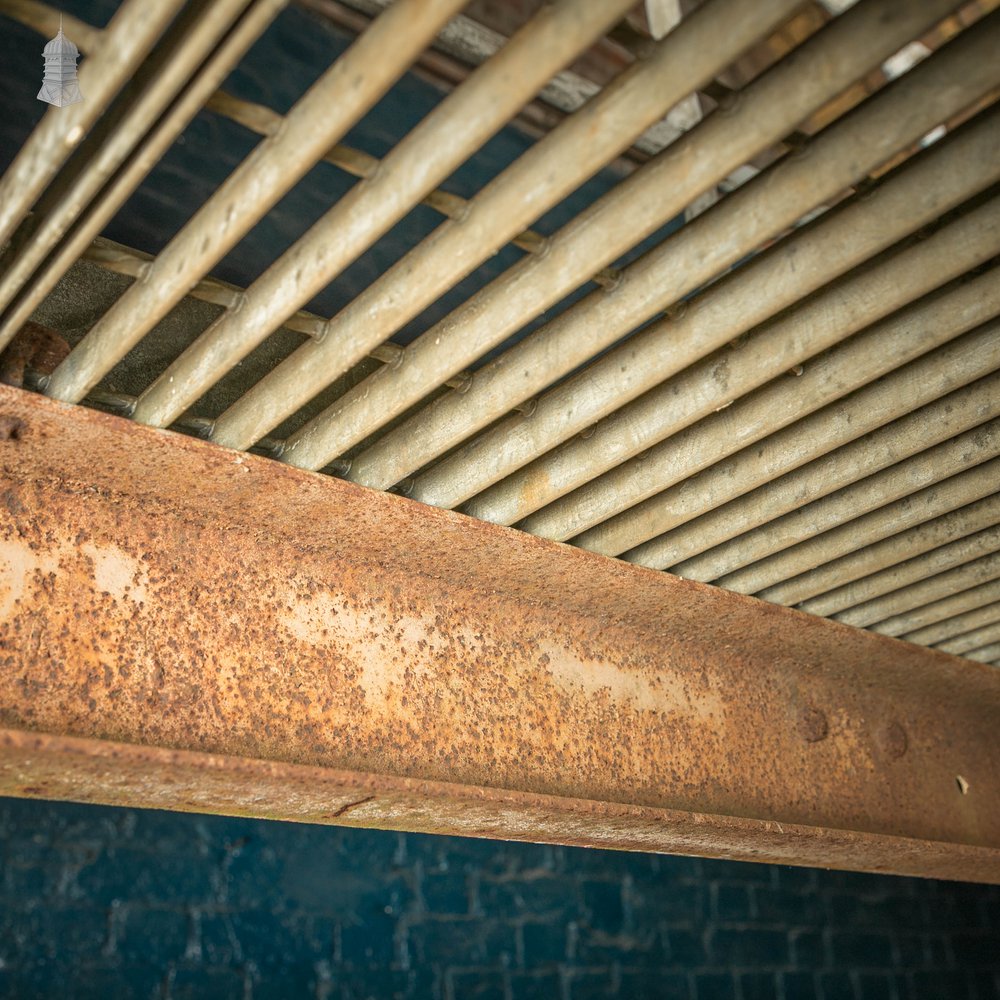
[[753, 340]]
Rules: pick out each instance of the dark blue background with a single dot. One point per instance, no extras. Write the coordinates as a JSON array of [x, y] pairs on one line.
[[99, 902]]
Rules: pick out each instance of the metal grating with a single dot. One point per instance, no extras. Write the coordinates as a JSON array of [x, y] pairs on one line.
[[793, 394]]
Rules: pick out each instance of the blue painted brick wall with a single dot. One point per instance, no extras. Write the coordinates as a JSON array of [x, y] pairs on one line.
[[107, 903]]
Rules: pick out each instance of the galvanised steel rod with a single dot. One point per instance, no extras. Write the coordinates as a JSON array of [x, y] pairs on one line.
[[929, 635], [986, 654], [982, 570], [698, 252], [190, 41], [125, 260], [196, 85], [121, 259], [550, 170], [448, 136], [972, 640], [672, 367], [345, 92], [122, 404], [423, 670], [798, 265], [892, 578], [695, 476], [938, 611], [940, 479], [266, 122], [131, 33], [888, 553]]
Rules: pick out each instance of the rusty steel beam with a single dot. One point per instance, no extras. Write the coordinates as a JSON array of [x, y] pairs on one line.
[[187, 627]]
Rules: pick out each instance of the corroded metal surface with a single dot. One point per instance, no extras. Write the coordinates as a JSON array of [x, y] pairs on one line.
[[34, 765], [158, 590]]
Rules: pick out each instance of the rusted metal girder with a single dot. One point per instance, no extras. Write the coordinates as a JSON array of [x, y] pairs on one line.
[[192, 628]]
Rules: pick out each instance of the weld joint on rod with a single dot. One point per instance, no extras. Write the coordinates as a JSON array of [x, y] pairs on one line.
[[544, 246], [866, 189], [799, 151], [796, 141], [461, 212], [677, 311], [611, 279], [323, 330], [377, 172], [729, 103]]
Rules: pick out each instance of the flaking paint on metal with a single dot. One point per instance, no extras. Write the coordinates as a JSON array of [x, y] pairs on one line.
[[165, 592]]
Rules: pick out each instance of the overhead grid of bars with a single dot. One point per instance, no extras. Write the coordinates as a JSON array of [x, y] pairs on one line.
[[794, 395]]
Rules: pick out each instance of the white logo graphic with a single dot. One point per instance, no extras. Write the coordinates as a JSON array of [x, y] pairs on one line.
[[60, 86]]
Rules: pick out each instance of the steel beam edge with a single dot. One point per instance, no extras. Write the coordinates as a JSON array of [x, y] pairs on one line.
[[68, 768], [187, 627]]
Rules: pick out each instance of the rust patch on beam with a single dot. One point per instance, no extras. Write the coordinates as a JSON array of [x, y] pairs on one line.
[[166, 595]]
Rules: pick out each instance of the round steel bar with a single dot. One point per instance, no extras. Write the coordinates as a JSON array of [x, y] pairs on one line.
[[125, 260], [704, 507], [190, 41], [153, 146], [986, 654], [545, 174], [915, 490], [265, 121], [905, 572], [929, 635], [700, 251], [452, 132], [131, 33], [982, 570], [888, 553], [697, 390], [799, 265], [938, 611], [971, 640], [322, 116]]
